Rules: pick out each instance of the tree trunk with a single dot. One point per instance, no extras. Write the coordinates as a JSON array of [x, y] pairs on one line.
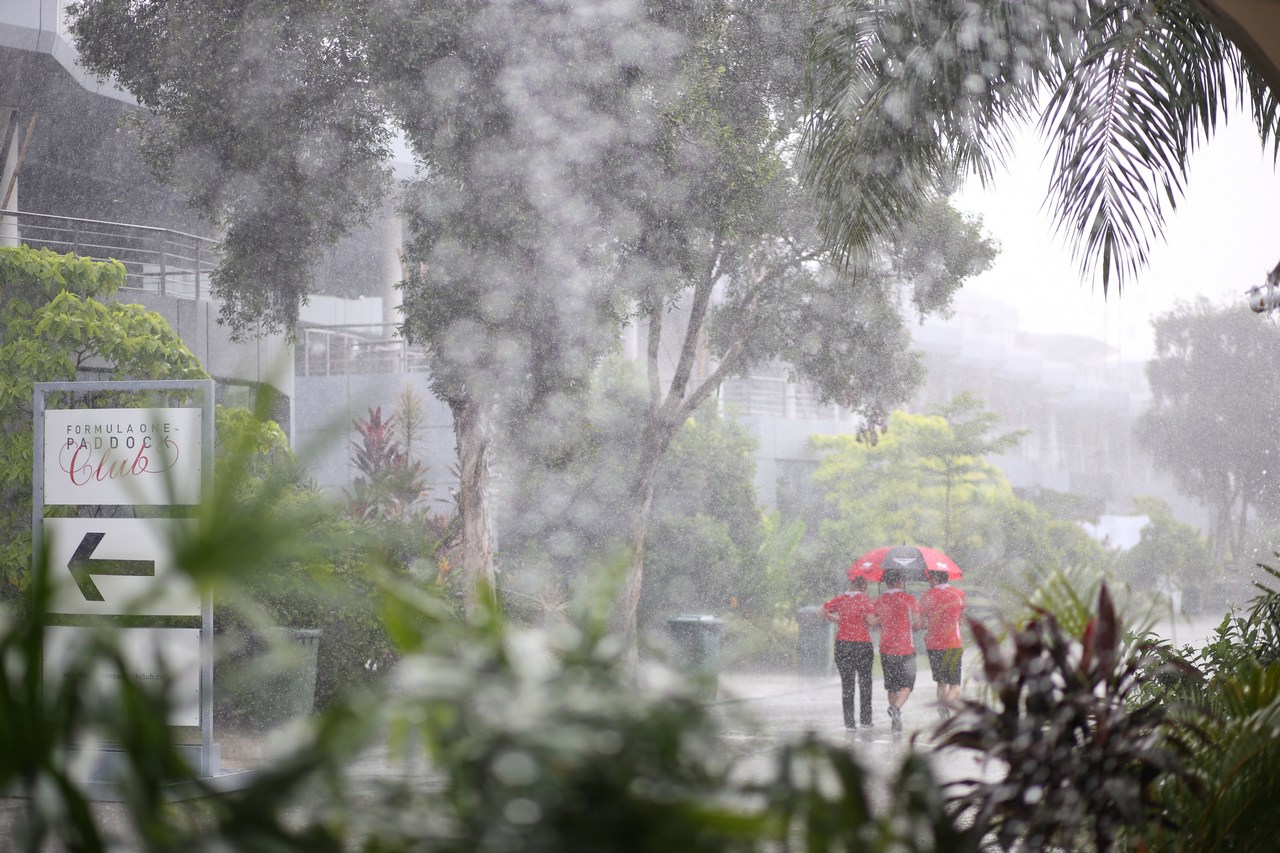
[[656, 438], [473, 431]]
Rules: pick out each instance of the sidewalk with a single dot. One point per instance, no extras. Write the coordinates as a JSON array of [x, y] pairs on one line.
[[763, 711]]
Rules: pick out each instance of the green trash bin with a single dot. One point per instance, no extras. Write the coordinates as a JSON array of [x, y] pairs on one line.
[[695, 648], [815, 642]]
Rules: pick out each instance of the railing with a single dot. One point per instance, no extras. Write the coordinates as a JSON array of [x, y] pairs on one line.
[[776, 396], [330, 351], [177, 264], [159, 260]]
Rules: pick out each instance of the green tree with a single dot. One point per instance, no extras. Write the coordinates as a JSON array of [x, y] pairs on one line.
[[527, 121], [897, 491], [261, 115], [1169, 551], [1214, 419], [903, 91], [708, 531], [907, 488], [957, 455], [58, 323], [733, 244]]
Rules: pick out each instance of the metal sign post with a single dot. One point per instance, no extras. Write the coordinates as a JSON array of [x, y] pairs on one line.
[[119, 572]]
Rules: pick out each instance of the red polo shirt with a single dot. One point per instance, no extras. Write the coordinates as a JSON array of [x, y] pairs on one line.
[[853, 609], [895, 608], [943, 607]]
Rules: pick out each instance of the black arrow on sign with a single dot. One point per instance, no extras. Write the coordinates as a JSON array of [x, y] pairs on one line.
[[83, 565]]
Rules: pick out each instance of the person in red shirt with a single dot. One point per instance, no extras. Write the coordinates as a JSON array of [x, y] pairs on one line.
[[943, 608], [854, 654], [897, 614]]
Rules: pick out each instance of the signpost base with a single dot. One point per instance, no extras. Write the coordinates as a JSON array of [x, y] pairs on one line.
[[100, 781]]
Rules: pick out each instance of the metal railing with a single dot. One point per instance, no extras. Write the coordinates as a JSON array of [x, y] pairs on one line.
[[173, 263], [328, 351], [160, 260]]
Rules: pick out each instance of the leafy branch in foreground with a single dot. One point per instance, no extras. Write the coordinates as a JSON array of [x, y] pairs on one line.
[[1079, 761]]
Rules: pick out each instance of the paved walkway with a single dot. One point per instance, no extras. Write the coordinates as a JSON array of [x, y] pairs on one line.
[[763, 711]]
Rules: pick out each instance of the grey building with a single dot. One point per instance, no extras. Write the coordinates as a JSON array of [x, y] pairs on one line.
[[71, 180]]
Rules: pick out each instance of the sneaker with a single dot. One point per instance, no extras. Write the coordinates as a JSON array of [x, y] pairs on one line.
[[944, 713], [866, 724], [895, 719]]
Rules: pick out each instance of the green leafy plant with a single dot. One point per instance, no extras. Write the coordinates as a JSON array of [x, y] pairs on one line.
[[57, 324], [1079, 762]]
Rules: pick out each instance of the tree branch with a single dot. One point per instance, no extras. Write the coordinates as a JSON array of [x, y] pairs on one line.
[[693, 331], [743, 330], [651, 355]]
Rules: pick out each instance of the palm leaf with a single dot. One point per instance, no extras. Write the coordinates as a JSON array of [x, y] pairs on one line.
[[905, 93], [1151, 84]]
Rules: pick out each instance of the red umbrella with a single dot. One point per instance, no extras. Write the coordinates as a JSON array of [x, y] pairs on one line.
[[914, 560]]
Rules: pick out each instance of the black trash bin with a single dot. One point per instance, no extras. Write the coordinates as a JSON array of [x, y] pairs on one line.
[[815, 642], [695, 647]]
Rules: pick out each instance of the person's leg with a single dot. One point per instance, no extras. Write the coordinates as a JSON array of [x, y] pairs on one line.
[[899, 679], [864, 656], [937, 668], [845, 666], [952, 680], [908, 675]]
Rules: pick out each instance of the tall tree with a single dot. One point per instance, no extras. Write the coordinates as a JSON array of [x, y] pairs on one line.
[[260, 113], [1168, 552], [903, 90], [525, 120], [731, 243], [956, 455], [706, 528], [1214, 420], [897, 490], [274, 118]]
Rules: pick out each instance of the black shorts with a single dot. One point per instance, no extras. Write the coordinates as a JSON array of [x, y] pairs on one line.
[[899, 672], [945, 664]]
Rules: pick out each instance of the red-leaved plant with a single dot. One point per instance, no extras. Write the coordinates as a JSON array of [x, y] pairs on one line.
[[1076, 752]]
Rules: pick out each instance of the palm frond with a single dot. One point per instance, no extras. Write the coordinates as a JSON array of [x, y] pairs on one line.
[[1152, 83], [903, 94]]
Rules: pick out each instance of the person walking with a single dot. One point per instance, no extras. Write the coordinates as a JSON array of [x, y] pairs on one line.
[[897, 614], [854, 654], [942, 606]]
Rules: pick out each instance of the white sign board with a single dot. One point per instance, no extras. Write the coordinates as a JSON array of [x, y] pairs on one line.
[[122, 457], [117, 566], [151, 655]]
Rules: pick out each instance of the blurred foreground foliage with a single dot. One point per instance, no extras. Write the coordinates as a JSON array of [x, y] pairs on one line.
[[491, 737], [481, 735]]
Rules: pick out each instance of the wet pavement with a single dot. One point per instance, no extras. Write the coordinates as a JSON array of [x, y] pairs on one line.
[[760, 713]]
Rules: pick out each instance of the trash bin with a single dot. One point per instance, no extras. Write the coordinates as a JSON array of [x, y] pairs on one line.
[[695, 647], [271, 681], [815, 642], [292, 691]]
